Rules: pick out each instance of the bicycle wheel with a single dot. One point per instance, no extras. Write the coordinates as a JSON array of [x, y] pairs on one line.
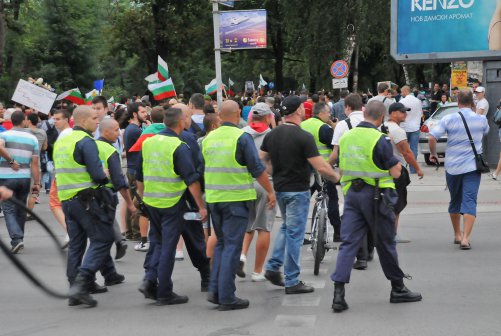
[[313, 229], [320, 240]]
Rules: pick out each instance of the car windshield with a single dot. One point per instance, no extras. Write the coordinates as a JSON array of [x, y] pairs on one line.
[[442, 112]]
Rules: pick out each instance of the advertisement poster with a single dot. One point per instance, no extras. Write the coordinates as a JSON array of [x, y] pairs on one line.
[[34, 96], [459, 75], [243, 29], [447, 26]]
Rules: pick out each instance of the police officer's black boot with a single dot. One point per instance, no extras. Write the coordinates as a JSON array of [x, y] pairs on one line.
[[79, 293], [338, 303], [400, 293]]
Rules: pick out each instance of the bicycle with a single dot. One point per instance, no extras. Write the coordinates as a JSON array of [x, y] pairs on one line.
[[320, 230]]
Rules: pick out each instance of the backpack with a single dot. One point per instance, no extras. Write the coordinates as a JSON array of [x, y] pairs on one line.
[[496, 118], [52, 135]]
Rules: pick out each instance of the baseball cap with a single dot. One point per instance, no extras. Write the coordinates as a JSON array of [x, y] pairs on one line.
[[480, 89], [261, 109], [290, 104], [398, 107]]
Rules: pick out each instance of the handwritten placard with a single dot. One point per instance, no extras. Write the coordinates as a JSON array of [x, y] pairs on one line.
[[34, 96]]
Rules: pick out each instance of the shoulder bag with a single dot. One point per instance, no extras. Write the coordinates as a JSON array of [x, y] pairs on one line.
[[482, 166]]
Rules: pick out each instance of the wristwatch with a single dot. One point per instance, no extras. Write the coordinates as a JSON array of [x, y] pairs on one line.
[[11, 161]]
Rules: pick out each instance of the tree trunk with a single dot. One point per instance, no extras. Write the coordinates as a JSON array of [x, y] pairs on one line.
[[279, 61], [355, 69], [158, 9], [3, 35]]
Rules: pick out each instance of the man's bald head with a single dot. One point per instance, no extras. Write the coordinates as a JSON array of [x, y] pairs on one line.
[[187, 113], [81, 113], [106, 124], [230, 111], [109, 129]]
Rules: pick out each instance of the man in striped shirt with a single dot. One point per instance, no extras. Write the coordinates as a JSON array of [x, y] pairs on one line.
[[463, 179], [19, 152]]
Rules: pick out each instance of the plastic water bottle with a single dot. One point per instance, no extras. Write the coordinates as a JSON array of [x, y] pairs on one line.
[[192, 216]]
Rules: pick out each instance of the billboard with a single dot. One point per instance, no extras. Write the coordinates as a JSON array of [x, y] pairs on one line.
[[243, 29], [445, 30]]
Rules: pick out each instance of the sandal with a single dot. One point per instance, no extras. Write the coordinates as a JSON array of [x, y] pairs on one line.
[[465, 247]]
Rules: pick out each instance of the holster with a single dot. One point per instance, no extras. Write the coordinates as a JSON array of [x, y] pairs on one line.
[[357, 185]]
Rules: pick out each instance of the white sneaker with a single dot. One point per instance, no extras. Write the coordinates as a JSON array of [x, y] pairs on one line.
[[494, 176], [179, 255], [257, 277], [142, 247]]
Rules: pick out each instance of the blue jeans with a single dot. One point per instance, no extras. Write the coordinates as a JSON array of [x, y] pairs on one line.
[[230, 221], [413, 139], [15, 218], [463, 189], [287, 249]]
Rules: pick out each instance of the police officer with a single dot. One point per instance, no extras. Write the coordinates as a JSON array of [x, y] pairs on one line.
[[165, 168], [321, 127], [368, 167], [231, 161], [78, 173], [109, 132]]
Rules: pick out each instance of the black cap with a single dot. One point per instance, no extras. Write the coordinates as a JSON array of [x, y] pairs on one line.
[[290, 104], [398, 107]]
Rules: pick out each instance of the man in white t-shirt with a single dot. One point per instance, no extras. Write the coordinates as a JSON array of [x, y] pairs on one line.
[[384, 96], [353, 110], [482, 103], [413, 121], [401, 150]]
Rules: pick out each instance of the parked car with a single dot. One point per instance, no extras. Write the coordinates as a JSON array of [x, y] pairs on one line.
[[433, 120]]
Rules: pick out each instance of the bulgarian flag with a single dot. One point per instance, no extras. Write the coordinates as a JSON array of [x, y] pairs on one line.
[[73, 96], [90, 95], [163, 89], [150, 131], [153, 78], [163, 69], [211, 88]]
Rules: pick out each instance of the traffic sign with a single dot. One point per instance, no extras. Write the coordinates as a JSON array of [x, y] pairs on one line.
[[271, 85], [228, 3], [340, 83], [339, 69]]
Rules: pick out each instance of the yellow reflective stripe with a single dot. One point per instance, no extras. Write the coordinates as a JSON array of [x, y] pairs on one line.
[[225, 170], [75, 186], [229, 186], [163, 179], [71, 170]]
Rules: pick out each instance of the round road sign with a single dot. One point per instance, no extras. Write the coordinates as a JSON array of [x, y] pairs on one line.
[[339, 69]]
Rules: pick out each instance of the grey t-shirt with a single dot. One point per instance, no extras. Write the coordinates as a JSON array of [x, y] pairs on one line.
[[40, 135]]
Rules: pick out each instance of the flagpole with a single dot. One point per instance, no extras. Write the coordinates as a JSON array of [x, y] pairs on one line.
[[217, 52]]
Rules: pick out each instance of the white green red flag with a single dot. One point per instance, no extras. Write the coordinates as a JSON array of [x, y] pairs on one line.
[[163, 89], [90, 95], [163, 69], [73, 96], [153, 78], [211, 88]]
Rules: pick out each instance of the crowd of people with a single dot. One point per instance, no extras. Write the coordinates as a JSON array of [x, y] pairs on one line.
[[209, 177]]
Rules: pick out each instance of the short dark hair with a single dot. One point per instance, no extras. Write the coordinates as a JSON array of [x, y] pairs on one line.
[[133, 108], [374, 110], [209, 120], [198, 100], [318, 108], [157, 114], [208, 109], [172, 116], [465, 97], [344, 93], [261, 99], [382, 87], [17, 118], [33, 118], [64, 113], [315, 98], [100, 99], [354, 101]]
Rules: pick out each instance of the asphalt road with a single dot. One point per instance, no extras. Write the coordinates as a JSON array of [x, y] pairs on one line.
[[461, 289]]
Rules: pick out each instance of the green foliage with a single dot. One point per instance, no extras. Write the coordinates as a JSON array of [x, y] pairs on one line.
[[72, 43]]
